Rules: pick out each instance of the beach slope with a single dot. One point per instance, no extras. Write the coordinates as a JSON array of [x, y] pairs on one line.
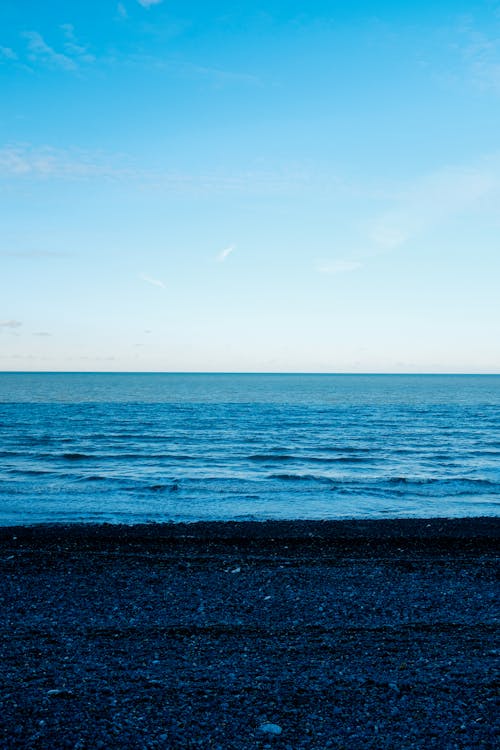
[[289, 635]]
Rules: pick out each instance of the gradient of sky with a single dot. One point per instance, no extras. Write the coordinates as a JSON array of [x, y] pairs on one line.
[[186, 185]]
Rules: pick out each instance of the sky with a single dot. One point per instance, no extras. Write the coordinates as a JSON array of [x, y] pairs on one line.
[[189, 185]]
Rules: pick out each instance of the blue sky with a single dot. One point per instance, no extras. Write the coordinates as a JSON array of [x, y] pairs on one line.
[[286, 186]]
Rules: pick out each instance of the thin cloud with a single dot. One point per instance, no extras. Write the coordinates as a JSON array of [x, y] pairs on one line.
[[221, 257], [25, 160], [34, 254], [149, 3], [338, 266], [150, 280], [121, 10], [7, 53], [434, 199], [10, 324], [72, 45], [480, 54], [70, 58], [41, 333], [186, 68], [218, 76], [40, 51], [30, 161]]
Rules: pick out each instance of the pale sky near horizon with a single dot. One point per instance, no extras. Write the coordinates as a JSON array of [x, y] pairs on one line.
[[286, 186]]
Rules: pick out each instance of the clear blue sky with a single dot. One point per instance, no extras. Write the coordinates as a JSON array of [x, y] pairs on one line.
[[285, 186]]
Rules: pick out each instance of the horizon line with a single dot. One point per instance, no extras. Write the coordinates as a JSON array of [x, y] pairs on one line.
[[240, 372]]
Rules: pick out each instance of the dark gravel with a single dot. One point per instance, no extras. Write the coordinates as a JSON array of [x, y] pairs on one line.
[[376, 634]]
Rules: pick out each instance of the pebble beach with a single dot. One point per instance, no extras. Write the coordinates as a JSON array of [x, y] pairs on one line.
[[286, 635]]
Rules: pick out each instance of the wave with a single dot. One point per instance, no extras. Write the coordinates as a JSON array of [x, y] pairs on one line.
[[142, 455], [339, 459], [268, 457], [480, 453], [171, 487], [442, 480], [271, 457], [42, 439], [345, 448], [452, 485], [301, 478], [30, 472]]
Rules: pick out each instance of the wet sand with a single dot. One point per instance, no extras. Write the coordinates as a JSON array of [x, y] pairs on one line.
[[350, 634]]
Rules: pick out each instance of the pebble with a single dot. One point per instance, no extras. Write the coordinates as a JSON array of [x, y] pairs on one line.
[[269, 728], [62, 692]]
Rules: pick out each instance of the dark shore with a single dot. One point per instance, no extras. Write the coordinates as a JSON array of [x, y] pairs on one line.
[[349, 634]]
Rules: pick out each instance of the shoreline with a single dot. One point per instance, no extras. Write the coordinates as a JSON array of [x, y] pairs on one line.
[[332, 526], [343, 634], [417, 532]]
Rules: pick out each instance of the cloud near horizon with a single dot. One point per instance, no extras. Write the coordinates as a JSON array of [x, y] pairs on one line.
[[10, 324], [152, 281], [221, 257]]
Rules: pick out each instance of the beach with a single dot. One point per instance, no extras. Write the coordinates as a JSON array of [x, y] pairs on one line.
[[376, 634]]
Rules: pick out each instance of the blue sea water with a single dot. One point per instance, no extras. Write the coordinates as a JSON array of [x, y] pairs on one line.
[[156, 447]]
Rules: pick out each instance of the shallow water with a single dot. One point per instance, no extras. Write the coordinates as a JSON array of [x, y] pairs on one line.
[[156, 447]]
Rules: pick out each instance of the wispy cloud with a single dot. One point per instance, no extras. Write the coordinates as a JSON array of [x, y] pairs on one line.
[[10, 324], [149, 3], [151, 280], [121, 10], [25, 160], [70, 54], [40, 51], [419, 208], [338, 266], [434, 199], [188, 69], [479, 51], [70, 57], [73, 46], [218, 76], [34, 254], [6, 53], [41, 333], [221, 257]]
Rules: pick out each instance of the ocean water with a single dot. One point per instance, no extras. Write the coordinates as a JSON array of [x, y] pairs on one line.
[[168, 447]]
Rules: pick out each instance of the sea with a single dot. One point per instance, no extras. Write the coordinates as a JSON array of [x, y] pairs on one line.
[[144, 448]]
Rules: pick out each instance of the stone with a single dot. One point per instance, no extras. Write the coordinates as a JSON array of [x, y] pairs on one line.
[[60, 693], [269, 728]]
